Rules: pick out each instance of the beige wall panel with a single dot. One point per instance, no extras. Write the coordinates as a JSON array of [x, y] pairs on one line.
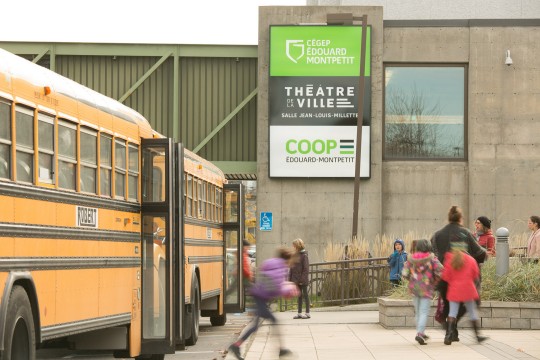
[[503, 145], [419, 44]]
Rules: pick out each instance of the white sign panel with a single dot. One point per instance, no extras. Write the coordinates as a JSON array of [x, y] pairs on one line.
[[317, 151]]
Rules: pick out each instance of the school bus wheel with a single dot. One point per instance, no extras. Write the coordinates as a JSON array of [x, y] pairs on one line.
[[20, 337]]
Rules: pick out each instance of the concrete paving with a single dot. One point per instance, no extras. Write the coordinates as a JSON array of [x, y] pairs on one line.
[[353, 332]]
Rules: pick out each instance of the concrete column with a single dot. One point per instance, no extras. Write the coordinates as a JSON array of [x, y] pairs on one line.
[[503, 253]]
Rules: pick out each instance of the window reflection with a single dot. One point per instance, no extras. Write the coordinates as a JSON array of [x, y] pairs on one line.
[[424, 112]]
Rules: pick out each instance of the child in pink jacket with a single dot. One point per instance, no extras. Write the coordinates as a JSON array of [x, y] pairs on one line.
[[423, 270], [461, 272]]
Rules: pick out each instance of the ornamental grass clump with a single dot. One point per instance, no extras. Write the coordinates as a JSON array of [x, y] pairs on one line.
[[520, 284], [356, 279]]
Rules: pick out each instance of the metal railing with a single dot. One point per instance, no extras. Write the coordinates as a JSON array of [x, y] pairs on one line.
[[340, 283]]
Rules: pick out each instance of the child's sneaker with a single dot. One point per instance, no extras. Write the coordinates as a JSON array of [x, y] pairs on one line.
[[235, 349], [306, 316], [421, 339], [298, 316]]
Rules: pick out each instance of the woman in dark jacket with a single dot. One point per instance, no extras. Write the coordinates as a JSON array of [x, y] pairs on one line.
[[442, 240], [300, 276]]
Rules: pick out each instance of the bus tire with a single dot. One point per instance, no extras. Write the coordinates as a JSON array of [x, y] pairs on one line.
[[20, 336], [194, 317], [219, 320]]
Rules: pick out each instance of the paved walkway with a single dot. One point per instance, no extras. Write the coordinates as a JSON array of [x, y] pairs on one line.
[[353, 332]]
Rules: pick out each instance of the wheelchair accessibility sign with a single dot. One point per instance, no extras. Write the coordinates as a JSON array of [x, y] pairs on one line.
[[265, 221]]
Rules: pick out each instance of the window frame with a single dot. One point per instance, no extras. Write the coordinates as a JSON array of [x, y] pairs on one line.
[[49, 119], [8, 142], [133, 173], [66, 159], [19, 148], [465, 68], [106, 167], [119, 170], [87, 164]]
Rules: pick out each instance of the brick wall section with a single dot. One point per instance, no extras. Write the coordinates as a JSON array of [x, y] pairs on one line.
[[494, 314]]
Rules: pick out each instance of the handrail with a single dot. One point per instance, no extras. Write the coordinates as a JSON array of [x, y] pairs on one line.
[[344, 282]]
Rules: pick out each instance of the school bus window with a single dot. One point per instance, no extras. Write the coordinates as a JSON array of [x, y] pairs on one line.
[[5, 140], [189, 196], [67, 155], [157, 185], [209, 203], [120, 169], [133, 174], [209, 214], [105, 164], [88, 160], [24, 121], [212, 193], [45, 148], [204, 200], [219, 204], [195, 202], [200, 197]]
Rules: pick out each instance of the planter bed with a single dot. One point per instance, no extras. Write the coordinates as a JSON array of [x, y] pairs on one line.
[[395, 313]]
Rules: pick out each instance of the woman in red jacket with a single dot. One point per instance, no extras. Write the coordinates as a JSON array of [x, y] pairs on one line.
[[461, 272], [485, 235]]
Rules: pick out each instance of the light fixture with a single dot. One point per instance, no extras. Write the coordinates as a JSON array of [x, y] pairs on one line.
[[508, 60]]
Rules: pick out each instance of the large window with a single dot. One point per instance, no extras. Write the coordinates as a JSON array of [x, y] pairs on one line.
[[425, 111]]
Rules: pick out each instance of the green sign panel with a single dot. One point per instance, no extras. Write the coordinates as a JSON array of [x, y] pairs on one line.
[[317, 51]]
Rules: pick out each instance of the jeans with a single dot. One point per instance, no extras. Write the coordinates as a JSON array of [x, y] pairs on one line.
[[471, 309], [303, 294], [421, 312]]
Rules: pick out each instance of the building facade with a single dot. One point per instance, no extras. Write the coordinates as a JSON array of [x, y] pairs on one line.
[[455, 118]]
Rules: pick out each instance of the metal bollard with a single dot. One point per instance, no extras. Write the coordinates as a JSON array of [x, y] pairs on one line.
[[503, 253]]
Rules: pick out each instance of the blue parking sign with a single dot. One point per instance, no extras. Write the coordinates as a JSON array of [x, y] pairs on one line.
[[265, 221]]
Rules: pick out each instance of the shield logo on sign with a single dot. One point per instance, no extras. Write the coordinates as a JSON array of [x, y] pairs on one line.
[[294, 50]]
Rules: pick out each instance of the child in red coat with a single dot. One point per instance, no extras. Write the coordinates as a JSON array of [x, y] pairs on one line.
[[461, 273]]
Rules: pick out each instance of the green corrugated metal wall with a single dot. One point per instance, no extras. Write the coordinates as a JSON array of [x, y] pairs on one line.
[[210, 88], [213, 81]]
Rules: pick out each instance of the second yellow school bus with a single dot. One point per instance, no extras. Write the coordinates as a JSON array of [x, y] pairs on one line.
[[113, 237]]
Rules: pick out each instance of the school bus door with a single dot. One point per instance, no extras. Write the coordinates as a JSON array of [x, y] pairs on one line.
[[161, 232], [233, 232]]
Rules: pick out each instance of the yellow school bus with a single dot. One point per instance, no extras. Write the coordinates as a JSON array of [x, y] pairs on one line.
[[113, 237]]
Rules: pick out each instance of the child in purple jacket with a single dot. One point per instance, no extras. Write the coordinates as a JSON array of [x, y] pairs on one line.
[[270, 283], [423, 270]]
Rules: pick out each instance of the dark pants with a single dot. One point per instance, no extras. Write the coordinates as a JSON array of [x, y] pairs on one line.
[[261, 311], [303, 294]]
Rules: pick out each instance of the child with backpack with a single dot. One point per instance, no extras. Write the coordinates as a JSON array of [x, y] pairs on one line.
[[423, 270], [270, 283]]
